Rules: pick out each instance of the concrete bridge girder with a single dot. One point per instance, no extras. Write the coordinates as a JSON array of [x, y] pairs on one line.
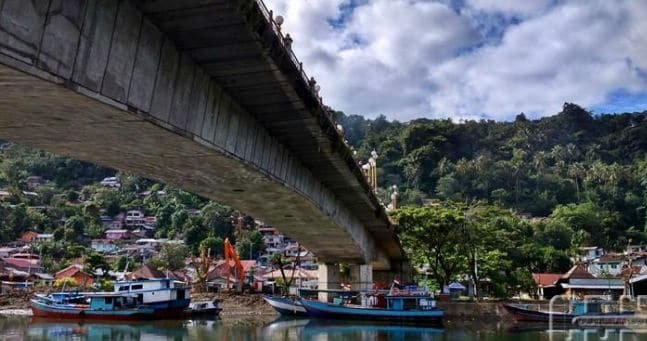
[[75, 81]]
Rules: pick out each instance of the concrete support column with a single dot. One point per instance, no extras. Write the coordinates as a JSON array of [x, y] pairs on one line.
[[400, 269], [329, 279], [361, 277]]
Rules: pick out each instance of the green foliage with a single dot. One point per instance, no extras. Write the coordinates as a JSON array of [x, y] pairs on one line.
[[483, 241], [171, 257], [432, 236], [214, 245], [531, 166], [95, 261], [251, 245]]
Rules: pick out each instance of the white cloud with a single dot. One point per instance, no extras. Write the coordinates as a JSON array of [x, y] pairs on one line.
[[407, 58], [575, 53], [521, 8]]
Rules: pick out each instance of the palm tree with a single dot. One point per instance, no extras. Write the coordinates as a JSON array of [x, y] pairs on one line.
[[539, 162], [577, 171]]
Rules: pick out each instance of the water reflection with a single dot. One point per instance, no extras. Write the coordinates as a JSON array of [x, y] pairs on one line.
[[286, 329], [63, 330]]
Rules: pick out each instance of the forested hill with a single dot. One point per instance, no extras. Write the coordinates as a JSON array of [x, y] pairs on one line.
[[594, 162]]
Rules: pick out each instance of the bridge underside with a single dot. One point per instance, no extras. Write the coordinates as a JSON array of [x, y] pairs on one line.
[[38, 113], [201, 94]]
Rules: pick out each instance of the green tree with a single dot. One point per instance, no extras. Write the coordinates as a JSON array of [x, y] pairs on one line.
[[95, 261], [251, 245], [213, 244], [432, 236], [171, 257]]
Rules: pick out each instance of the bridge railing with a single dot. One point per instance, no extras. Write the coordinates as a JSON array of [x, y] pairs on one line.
[[269, 15]]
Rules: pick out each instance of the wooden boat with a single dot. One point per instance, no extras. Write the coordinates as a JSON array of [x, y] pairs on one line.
[[524, 312], [285, 306], [100, 306], [419, 309], [168, 298], [204, 309]]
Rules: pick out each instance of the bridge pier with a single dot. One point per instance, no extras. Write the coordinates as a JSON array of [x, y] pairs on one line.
[[359, 276], [401, 269]]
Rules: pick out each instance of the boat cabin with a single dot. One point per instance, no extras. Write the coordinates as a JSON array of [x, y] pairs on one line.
[[154, 290], [584, 308], [68, 298], [112, 301], [410, 303]]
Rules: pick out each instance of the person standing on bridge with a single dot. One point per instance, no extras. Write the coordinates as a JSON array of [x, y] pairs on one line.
[[287, 41]]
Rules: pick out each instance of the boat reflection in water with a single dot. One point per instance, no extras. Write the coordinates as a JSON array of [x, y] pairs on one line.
[[51, 329], [314, 329]]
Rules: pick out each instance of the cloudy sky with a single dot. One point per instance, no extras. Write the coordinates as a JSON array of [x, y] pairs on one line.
[[472, 58]]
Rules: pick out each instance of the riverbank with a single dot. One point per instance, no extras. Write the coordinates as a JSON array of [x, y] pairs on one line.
[[252, 309]]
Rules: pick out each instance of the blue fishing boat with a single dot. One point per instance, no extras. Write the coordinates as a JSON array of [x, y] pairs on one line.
[[285, 306], [577, 311], [400, 308], [98, 305]]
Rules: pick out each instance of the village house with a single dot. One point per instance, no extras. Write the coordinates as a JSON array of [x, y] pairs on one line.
[[28, 265], [12, 280], [111, 181], [135, 218], [115, 223], [273, 243], [292, 250], [547, 286], [607, 265], [41, 279], [579, 282], [587, 254], [29, 236], [104, 246], [148, 272], [117, 234], [33, 182], [220, 273], [75, 272], [35, 237], [7, 251]]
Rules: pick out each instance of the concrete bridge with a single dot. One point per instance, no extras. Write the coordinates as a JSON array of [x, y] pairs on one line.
[[202, 94]]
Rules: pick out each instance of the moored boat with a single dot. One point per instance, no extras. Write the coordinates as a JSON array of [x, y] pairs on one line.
[[167, 297], [285, 306], [208, 309], [99, 305], [419, 309], [577, 311]]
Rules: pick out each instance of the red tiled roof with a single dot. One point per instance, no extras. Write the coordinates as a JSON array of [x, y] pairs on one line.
[[577, 271], [634, 270], [146, 272], [21, 262], [220, 269], [546, 279], [29, 236], [612, 258], [69, 271]]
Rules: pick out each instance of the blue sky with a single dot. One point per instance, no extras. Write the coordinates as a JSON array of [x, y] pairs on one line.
[[472, 58]]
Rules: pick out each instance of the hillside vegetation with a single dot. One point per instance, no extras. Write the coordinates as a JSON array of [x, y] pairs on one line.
[[573, 162]]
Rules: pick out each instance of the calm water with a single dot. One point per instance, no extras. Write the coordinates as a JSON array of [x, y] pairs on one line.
[[28, 329]]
